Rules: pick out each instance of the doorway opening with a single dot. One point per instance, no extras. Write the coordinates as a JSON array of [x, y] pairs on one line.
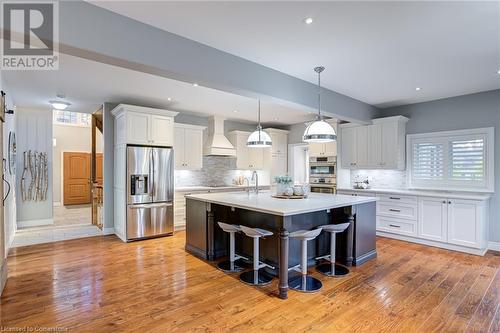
[[77, 170]]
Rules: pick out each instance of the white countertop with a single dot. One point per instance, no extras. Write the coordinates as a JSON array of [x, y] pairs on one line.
[[208, 188], [424, 193], [265, 203]]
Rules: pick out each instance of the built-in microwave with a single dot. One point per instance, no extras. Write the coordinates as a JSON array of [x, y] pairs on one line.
[[323, 166]]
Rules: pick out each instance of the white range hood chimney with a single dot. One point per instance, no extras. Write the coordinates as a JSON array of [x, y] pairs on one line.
[[217, 144]]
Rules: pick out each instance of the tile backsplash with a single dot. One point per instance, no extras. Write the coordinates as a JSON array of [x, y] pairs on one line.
[[217, 170], [381, 178]]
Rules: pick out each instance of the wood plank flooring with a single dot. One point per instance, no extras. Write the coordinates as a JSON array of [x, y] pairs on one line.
[[100, 284]]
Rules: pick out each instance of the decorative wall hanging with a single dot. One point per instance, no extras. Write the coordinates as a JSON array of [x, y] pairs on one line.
[[35, 176], [3, 106], [12, 152]]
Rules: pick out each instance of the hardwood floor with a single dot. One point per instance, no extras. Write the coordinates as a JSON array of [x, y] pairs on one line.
[[100, 284]]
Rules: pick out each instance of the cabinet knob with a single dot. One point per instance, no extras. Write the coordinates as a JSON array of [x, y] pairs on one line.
[[444, 201], [449, 202]]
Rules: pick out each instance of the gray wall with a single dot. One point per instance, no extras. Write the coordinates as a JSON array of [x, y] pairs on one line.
[[462, 112]]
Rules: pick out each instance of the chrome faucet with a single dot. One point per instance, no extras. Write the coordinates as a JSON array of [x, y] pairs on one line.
[[255, 176]]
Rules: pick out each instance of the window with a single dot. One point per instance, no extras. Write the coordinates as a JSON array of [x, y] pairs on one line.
[[462, 160], [72, 118]]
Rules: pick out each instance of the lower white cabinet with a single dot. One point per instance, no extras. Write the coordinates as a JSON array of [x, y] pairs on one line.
[[433, 218], [465, 225], [455, 224]]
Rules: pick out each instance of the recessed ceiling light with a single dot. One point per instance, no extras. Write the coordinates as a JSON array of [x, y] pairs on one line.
[[60, 105], [195, 84], [498, 71], [276, 118], [418, 88], [235, 111], [308, 20], [169, 99]]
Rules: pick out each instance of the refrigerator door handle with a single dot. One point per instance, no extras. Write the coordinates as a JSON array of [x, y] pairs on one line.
[[157, 205], [151, 176]]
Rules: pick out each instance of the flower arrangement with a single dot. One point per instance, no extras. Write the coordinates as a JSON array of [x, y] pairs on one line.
[[283, 185], [285, 180]]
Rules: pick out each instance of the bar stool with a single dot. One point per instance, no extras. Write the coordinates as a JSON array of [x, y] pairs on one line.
[[230, 265], [305, 282], [256, 277], [330, 268]]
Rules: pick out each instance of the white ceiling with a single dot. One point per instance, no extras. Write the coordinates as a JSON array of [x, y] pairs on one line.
[[377, 52], [87, 84]]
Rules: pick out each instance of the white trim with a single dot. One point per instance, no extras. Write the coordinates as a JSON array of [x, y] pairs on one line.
[[141, 109], [182, 125], [489, 134], [494, 246], [179, 227], [34, 223], [3, 275], [478, 252], [108, 231], [56, 204]]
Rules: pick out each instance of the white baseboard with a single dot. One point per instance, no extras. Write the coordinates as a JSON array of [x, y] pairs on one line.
[[179, 227], [108, 231], [56, 204], [494, 246], [34, 223], [478, 252], [3, 275]]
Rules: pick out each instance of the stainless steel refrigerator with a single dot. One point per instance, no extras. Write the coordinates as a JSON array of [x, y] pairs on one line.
[[150, 184]]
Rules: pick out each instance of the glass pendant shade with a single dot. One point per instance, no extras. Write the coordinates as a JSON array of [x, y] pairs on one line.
[[319, 131], [259, 138]]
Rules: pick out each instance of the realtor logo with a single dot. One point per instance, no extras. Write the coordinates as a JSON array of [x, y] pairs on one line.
[[30, 34]]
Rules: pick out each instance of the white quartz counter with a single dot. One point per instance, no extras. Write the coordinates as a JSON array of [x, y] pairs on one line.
[[265, 203], [423, 193], [217, 188]]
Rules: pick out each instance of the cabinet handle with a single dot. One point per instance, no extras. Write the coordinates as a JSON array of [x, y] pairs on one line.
[[394, 226], [395, 210], [449, 202], [394, 198]]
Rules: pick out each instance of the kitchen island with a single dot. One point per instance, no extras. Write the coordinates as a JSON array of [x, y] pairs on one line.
[[206, 240]]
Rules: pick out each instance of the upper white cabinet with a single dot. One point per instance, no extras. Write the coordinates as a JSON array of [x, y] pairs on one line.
[[188, 146], [246, 158], [377, 146], [143, 126], [276, 157]]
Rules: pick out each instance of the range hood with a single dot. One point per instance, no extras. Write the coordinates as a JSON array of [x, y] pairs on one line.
[[217, 144]]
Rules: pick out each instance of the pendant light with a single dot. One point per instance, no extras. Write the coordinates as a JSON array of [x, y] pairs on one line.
[[319, 130], [259, 138]]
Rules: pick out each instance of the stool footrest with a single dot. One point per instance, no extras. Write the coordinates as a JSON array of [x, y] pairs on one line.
[[327, 256]]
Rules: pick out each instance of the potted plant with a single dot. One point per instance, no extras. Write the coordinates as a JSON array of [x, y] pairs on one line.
[[283, 183]]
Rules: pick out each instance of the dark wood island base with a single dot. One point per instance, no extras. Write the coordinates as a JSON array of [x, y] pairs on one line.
[[206, 240]]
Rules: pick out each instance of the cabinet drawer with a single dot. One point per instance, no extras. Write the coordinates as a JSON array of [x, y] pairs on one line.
[[403, 199], [397, 210], [396, 226]]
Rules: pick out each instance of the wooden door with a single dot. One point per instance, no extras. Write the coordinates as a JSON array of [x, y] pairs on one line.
[[98, 169], [76, 178]]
